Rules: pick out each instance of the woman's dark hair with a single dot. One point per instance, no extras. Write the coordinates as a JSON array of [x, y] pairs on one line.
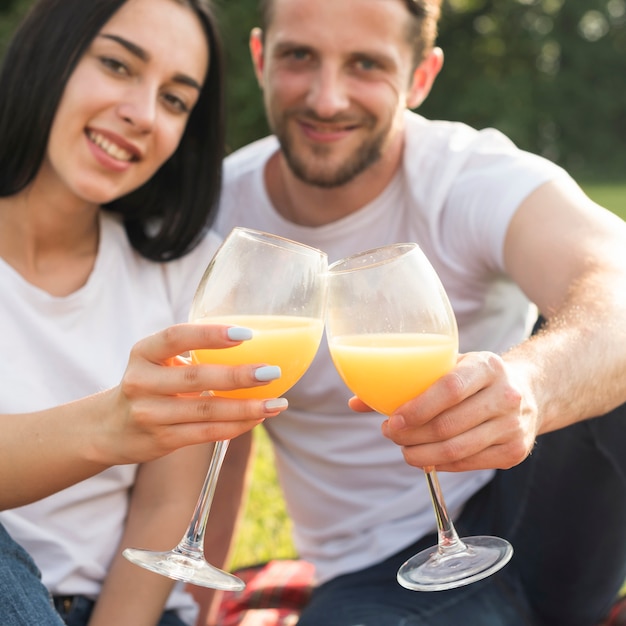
[[165, 217]]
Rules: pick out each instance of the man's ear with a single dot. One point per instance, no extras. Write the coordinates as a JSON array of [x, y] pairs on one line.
[[256, 51], [424, 77]]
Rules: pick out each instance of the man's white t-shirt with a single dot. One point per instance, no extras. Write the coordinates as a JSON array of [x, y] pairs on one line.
[[352, 498], [59, 349]]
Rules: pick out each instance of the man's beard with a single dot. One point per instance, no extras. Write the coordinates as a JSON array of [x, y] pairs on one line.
[[318, 174]]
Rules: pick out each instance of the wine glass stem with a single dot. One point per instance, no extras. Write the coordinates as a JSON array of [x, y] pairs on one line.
[[192, 544], [449, 541]]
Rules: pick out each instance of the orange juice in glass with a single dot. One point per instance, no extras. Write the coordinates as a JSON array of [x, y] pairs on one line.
[[386, 370], [284, 340]]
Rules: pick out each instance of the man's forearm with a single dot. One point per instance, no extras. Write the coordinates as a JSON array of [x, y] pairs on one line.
[[576, 363]]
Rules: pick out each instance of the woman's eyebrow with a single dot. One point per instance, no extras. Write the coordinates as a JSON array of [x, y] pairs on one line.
[[130, 46], [142, 54]]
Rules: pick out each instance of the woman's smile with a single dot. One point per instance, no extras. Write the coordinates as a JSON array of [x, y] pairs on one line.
[[113, 147]]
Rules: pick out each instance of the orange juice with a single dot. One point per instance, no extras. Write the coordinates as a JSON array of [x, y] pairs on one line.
[[386, 370], [287, 341]]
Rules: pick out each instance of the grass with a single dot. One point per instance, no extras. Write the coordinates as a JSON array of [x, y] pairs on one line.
[[265, 530], [609, 195]]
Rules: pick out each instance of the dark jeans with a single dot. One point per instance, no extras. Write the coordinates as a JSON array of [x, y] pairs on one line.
[[564, 511], [77, 611], [24, 601]]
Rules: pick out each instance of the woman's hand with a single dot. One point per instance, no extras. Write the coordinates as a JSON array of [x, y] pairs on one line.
[[159, 406], [161, 403]]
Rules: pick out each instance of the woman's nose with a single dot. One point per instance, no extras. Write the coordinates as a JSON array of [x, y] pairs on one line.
[[139, 109]]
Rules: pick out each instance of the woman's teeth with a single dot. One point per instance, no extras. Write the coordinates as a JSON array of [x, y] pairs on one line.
[[110, 148]]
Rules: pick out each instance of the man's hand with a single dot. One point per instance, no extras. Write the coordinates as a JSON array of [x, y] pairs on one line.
[[475, 417]]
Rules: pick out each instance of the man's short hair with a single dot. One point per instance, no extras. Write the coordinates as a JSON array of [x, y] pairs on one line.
[[422, 30]]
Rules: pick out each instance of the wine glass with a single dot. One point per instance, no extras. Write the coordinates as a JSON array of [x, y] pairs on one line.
[[391, 334], [277, 288]]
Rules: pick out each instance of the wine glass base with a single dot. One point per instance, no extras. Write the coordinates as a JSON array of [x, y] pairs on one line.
[[433, 570], [189, 569]]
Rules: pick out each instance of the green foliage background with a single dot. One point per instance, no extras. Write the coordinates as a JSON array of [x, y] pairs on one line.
[[548, 73]]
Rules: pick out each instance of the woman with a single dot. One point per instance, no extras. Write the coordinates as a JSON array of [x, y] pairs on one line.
[[110, 152]]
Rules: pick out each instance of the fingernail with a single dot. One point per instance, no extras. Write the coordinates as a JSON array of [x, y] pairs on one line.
[[275, 404], [239, 333], [267, 372], [396, 422]]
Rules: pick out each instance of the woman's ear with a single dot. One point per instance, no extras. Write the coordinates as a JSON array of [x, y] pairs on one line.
[[256, 52], [424, 77]]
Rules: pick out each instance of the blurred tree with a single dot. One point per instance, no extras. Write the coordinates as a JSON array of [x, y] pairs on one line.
[[246, 117], [545, 72], [7, 5], [11, 12]]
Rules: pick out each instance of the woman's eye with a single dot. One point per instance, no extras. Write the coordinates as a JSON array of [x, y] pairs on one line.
[[175, 103], [114, 65]]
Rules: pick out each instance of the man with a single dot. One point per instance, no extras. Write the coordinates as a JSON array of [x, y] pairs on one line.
[[350, 168]]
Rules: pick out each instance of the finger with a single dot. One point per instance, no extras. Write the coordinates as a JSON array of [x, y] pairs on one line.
[[474, 371], [494, 457], [223, 418], [181, 338], [356, 404], [404, 430], [493, 445], [147, 378], [233, 410], [205, 432]]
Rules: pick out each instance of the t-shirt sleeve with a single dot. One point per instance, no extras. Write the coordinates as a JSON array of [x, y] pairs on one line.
[[472, 183], [484, 198]]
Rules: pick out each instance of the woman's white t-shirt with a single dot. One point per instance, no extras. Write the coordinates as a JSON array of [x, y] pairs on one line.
[[59, 349]]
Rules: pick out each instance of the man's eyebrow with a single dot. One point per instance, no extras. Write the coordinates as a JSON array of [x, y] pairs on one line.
[[287, 46], [142, 54]]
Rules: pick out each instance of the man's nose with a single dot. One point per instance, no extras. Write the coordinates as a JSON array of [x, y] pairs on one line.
[[327, 94]]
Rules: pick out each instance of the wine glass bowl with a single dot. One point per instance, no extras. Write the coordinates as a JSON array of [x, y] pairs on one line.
[[277, 288], [375, 342], [391, 334]]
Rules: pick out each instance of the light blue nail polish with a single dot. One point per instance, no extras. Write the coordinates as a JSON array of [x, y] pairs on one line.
[[275, 404], [267, 373], [239, 333]]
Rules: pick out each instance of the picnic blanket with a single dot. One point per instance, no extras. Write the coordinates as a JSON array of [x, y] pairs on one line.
[[274, 595]]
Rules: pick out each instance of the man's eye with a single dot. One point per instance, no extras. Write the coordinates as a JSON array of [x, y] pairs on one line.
[[366, 64], [297, 55]]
